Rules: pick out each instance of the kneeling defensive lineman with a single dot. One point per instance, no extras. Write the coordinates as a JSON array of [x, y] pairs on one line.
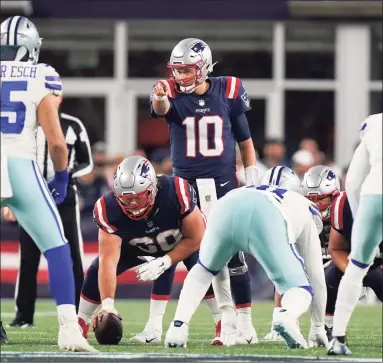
[[262, 222], [142, 216], [321, 186], [364, 192]]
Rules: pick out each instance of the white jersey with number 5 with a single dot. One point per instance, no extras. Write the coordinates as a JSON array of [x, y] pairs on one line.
[[23, 86]]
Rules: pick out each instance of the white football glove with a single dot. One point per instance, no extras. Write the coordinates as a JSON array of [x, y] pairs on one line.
[[228, 327], [153, 269], [317, 336], [251, 175]]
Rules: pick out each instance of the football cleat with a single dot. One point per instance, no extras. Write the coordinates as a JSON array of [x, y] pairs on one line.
[[177, 335], [150, 335], [273, 336], [71, 338], [18, 323], [317, 337], [217, 339], [338, 346], [3, 334], [248, 336], [288, 329], [84, 327]]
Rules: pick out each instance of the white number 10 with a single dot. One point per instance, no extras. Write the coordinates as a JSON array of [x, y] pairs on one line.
[[192, 134]]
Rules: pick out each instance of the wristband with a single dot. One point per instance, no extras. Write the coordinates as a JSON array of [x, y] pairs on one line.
[[108, 303], [62, 175], [160, 98]]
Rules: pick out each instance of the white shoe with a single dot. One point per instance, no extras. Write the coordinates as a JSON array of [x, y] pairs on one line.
[[150, 335], [247, 336], [177, 335], [288, 329], [71, 339], [273, 336], [336, 347]]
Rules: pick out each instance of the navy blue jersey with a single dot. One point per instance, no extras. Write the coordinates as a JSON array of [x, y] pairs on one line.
[[204, 128], [160, 231], [341, 217], [342, 220]]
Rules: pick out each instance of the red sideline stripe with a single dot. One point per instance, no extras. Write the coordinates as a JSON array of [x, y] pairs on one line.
[[128, 277], [13, 247]]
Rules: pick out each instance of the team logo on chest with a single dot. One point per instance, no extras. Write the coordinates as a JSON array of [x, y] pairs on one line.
[[201, 102]]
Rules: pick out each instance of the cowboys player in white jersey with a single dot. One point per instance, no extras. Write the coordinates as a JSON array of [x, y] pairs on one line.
[[364, 192], [268, 222], [29, 93]]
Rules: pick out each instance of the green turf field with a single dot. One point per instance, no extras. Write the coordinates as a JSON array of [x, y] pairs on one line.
[[365, 331]]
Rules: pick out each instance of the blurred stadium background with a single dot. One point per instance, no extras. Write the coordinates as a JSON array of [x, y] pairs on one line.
[[313, 71]]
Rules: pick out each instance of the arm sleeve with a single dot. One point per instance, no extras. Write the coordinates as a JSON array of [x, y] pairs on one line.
[[356, 174], [240, 127], [308, 245], [186, 196], [84, 161], [48, 82]]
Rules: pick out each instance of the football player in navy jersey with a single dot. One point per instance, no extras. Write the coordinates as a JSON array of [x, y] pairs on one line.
[[144, 218], [321, 185], [206, 119]]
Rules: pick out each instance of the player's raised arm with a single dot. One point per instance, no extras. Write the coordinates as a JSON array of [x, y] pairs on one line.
[[159, 98]]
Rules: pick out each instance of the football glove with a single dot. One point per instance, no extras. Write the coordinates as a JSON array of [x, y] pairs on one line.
[[58, 186], [153, 269], [317, 336], [251, 175]]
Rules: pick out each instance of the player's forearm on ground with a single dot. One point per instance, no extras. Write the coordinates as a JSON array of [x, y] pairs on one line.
[[340, 258], [107, 279], [184, 249], [247, 153], [161, 108]]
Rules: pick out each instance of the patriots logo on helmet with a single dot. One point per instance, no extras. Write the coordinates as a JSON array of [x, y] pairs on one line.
[[198, 47], [331, 175], [145, 170]]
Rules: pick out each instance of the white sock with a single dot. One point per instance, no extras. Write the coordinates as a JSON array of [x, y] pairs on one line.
[[86, 310], [195, 286], [329, 320], [157, 311], [296, 301], [222, 290], [214, 309], [348, 295], [276, 310], [66, 313], [244, 318]]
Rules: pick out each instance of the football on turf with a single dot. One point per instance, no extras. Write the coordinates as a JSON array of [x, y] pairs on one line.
[[109, 330]]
